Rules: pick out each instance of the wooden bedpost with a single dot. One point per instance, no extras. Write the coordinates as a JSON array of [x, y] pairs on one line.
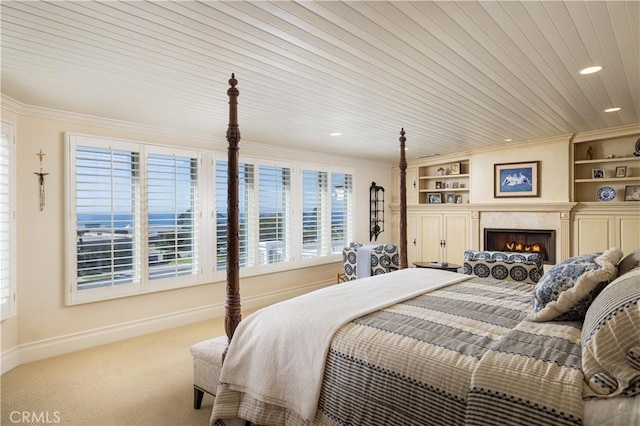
[[403, 203], [232, 310]]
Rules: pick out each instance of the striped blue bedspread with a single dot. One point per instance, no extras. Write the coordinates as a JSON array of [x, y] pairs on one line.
[[462, 355]]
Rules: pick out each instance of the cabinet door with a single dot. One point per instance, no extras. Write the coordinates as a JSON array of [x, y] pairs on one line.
[[412, 185], [629, 233], [456, 234], [593, 234], [430, 237], [412, 235], [412, 238]]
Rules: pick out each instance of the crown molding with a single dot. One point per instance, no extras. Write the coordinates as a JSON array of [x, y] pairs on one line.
[[194, 137], [610, 133], [11, 104], [73, 117]]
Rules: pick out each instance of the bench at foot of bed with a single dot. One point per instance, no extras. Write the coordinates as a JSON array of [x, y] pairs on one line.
[[207, 363]]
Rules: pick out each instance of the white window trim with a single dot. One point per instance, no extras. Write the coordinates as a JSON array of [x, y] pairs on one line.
[[11, 310], [206, 217], [299, 166]]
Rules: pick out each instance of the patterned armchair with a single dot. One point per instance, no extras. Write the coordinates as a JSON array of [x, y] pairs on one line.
[[384, 258]]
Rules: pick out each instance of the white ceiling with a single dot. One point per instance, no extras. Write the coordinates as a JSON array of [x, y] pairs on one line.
[[456, 75]]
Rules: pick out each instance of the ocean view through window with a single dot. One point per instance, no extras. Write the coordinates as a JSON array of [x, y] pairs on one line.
[[137, 222]]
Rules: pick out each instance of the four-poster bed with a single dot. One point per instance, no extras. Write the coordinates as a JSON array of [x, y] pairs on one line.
[[411, 347]]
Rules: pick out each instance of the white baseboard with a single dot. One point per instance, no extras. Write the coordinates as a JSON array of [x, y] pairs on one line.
[[10, 360], [60, 345]]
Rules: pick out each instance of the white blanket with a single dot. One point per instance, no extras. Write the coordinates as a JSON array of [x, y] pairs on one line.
[[363, 261], [266, 363]]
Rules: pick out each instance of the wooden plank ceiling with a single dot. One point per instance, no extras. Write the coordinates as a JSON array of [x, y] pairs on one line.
[[457, 76]]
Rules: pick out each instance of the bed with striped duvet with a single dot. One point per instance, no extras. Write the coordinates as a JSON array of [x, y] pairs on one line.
[[461, 355]]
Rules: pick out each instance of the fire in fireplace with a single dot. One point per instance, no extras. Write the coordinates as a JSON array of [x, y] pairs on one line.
[[523, 248], [522, 240]]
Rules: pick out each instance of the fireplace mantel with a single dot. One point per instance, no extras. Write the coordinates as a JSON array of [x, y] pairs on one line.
[[554, 216], [523, 207]]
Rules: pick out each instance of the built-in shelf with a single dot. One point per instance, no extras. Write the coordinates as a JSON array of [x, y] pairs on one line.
[[602, 180], [453, 173], [445, 190], [608, 160], [444, 177], [610, 157]]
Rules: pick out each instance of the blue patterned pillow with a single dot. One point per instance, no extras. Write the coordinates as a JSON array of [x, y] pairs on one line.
[[519, 267], [349, 258], [565, 292]]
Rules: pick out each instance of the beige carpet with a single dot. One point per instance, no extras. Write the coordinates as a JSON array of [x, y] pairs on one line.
[[141, 381]]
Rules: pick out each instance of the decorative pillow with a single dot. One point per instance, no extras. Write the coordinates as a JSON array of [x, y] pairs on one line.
[[629, 262], [384, 258], [349, 259], [565, 292], [520, 267], [611, 339]]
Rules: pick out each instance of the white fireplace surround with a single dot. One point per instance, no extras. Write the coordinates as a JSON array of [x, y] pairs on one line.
[[555, 216]]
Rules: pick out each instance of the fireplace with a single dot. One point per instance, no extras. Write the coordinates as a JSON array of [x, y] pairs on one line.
[[522, 240]]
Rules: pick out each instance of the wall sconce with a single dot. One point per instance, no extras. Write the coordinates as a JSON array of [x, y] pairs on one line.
[[376, 211]]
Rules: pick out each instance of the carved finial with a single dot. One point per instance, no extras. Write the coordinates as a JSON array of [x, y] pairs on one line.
[[402, 138], [232, 91]]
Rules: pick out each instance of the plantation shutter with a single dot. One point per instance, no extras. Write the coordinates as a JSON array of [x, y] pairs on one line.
[[315, 241], [341, 211], [7, 223], [274, 203], [245, 208], [172, 210], [107, 201]]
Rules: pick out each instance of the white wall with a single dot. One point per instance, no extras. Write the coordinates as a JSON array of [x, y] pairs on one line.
[[44, 326]]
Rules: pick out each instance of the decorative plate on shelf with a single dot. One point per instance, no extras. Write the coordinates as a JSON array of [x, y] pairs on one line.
[[606, 193]]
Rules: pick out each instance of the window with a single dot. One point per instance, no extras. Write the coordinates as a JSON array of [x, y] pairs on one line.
[[107, 222], [274, 203], [245, 207], [134, 218], [326, 212], [341, 211], [7, 222], [264, 193], [143, 218], [172, 202], [314, 194]]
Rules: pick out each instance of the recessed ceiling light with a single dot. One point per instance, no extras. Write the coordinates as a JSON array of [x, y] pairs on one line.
[[591, 70], [508, 140], [614, 109], [335, 134]]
